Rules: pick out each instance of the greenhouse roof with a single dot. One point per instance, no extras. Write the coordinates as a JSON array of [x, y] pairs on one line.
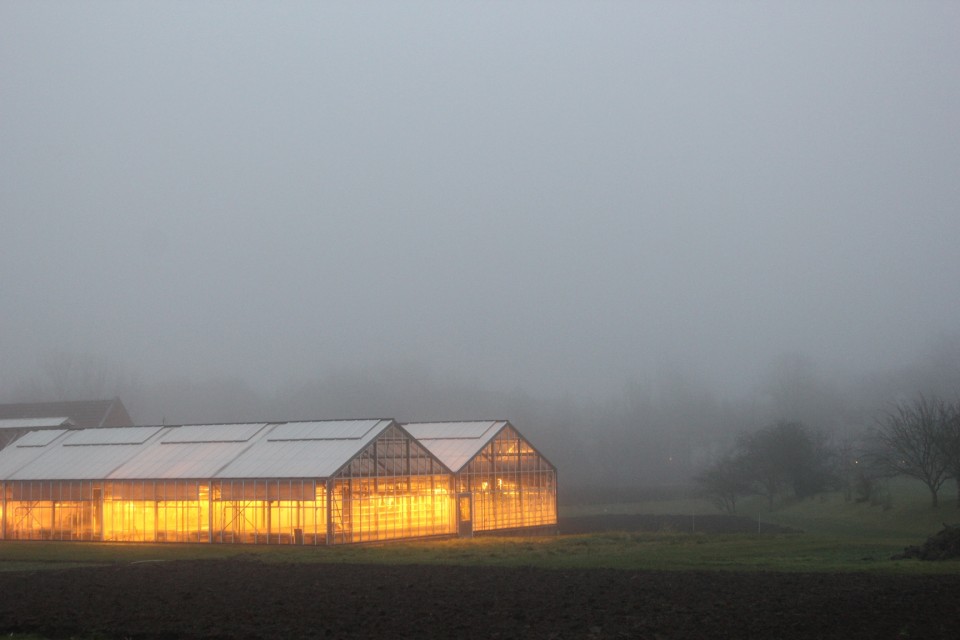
[[248, 450], [455, 443]]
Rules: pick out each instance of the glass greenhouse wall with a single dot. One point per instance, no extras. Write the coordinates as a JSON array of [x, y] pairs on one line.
[[393, 489], [511, 485], [257, 511], [238, 511], [269, 511]]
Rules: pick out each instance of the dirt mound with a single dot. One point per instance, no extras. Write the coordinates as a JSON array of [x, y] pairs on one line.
[[940, 546], [667, 523]]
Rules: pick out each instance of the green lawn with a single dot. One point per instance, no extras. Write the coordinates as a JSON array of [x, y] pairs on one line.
[[907, 517], [782, 552]]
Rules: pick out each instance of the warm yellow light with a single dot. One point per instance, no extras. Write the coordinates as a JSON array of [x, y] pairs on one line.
[[361, 509]]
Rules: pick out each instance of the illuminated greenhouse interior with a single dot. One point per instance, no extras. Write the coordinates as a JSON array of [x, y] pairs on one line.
[[346, 482], [503, 482], [512, 486]]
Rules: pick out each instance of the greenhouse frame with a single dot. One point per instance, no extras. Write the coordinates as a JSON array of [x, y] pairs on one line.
[[502, 482], [320, 482]]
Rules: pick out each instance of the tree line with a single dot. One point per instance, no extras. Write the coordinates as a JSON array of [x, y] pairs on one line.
[[919, 439]]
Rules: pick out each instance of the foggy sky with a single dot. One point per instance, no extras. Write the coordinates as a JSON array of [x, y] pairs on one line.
[[554, 197]]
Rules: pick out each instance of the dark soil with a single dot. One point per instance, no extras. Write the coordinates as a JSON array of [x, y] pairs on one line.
[[243, 598], [247, 599]]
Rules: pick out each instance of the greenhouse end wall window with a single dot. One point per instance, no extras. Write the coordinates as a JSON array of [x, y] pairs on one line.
[[513, 486]]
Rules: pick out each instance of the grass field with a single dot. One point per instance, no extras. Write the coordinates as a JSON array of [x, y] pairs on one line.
[[905, 517], [792, 552], [836, 536]]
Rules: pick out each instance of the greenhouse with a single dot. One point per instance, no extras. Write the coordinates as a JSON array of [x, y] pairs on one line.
[[326, 482], [502, 482]]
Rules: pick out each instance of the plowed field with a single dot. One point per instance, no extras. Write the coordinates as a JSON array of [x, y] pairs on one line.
[[247, 599]]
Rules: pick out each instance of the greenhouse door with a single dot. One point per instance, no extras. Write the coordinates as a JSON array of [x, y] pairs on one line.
[[465, 515]]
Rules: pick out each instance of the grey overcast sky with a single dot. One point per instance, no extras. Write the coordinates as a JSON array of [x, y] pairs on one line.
[[548, 196]]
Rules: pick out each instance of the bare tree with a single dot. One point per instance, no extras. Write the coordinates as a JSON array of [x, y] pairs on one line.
[[785, 456], [910, 438], [723, 482]]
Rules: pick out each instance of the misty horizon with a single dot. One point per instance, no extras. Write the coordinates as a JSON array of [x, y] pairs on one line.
[[569, 200]]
